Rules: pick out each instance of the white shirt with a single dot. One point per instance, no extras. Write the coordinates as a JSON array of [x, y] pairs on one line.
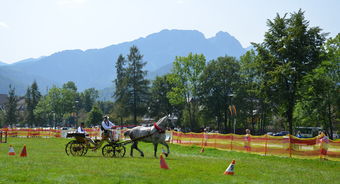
[[81, 130], [107, 125]]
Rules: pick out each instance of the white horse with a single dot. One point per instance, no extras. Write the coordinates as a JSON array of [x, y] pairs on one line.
[[154, 134]]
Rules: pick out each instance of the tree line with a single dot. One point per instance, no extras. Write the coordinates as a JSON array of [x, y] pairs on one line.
[[291, 79]]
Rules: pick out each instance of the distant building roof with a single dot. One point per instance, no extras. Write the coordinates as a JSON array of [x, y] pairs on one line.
[[3, 99]]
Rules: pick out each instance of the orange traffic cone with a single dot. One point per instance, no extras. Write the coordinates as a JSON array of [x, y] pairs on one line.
[[11, 151], [23, 152], [163, 163], [230, 169]]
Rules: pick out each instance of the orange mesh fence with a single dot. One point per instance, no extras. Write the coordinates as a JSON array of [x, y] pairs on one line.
[[32, 132], [289, 146]]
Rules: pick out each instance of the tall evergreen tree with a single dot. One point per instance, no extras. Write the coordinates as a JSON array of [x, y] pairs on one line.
[[120, 82], [32, 98], [291, 49], [137, 85], [11, 107]]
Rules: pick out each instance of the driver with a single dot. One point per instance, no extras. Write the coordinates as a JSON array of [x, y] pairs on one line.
[[107, 125]]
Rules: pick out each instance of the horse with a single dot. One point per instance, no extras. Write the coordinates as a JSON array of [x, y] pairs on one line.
[[154, 134]]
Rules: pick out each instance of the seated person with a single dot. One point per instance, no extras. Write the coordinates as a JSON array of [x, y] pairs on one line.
[[106, 127], [82, 131]]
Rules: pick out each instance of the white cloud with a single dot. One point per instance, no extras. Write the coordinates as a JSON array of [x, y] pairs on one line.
[[3, 25], [70, 2]]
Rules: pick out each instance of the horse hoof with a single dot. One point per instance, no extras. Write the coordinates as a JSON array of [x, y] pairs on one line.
[[142, 155], [166, 155]]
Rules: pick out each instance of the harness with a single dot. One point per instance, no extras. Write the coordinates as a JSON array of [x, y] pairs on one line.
[[158, 128]]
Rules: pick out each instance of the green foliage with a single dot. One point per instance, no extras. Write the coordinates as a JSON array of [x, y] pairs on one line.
[[88, 98], [95, 116], [131, 86], [321, 90], [185, 80], [219, 81], [32, 98], [11, 116], [291, 50], [70, 85], [159, 103]]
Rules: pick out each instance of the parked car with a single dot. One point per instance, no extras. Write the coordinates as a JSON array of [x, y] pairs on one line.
[[270, 133], [282, 133]]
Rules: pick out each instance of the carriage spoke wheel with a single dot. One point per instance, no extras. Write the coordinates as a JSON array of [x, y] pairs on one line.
[[119, 151], [68, 147], [108, 151], [77, 149]]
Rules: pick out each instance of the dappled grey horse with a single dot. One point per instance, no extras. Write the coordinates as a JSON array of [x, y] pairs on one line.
[[154, 134]]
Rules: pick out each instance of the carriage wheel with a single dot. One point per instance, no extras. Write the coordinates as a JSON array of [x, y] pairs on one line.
[[108, 151], [77, 149], [68, 147], [85, 150], [119, 151]]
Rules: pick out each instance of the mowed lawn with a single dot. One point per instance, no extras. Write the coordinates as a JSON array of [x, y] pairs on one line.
[[48, 163]]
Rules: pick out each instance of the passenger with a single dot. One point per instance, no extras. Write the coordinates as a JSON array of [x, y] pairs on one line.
[[81, 130], [107, 125]]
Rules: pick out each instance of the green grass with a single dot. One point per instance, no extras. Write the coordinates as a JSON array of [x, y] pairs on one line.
[[48, 163]]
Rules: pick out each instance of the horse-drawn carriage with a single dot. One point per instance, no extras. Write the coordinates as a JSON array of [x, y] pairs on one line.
[[81, 145], [155, 135]]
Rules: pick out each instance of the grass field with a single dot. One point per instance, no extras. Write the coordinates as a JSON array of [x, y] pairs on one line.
[[48, 163]]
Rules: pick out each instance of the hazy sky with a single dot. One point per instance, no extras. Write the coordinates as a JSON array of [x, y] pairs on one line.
[[33, 28]]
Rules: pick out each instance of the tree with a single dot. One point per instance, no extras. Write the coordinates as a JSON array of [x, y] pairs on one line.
[[43, 112], [11, 107], [185, 80], [70, 85], [88, 97], [121, 83], [219, 80], [95, 116], [137, 85], [159, 103], [32, 98], [291, 50], [321, 99]]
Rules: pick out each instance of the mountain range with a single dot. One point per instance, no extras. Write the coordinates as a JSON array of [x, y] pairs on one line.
[[96, 67]]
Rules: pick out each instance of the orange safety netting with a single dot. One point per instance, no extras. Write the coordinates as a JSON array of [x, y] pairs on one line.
[[290, 146], [32, 132]]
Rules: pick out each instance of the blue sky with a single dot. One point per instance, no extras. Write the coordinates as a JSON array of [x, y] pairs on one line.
[[34, 28]]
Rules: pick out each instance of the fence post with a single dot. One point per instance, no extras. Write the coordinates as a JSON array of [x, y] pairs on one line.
[[231, 141], [266, 143], [290, 146]]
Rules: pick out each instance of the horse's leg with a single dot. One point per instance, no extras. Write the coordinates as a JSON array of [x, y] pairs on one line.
[[167, 147], [133, 146], [155, 145], [140, 151]]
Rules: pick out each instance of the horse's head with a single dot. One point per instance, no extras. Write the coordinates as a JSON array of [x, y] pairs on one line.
[[163, 122]]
